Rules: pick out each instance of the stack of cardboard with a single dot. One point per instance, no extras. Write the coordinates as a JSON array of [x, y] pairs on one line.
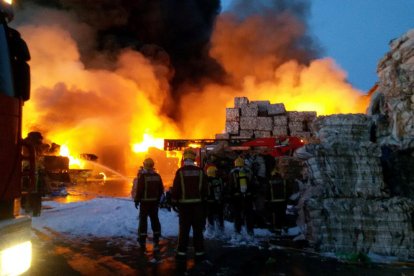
[[248, 119]]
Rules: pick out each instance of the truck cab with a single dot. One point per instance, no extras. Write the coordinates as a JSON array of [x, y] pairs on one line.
[[15, 230]]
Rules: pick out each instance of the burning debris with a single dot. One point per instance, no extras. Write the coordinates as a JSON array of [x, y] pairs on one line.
[[57, 167], [35, 140]]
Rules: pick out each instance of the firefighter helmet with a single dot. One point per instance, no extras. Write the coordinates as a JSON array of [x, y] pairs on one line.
[[239, 162], [148, 164], [275, 171], [211, 171], [189, 154]]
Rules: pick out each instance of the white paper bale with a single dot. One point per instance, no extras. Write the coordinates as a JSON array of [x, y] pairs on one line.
[[263, 107], [239, 101], [301, 116], [280, 120], [301, 134], [249, 110], [345, 169], [355, 127], [232, 127], [264, 123], [352, 225], [280, 131], [396, 83], [296, 126], [248, 123], [232, 114], [246, 133], [276, 109], [261, 133]]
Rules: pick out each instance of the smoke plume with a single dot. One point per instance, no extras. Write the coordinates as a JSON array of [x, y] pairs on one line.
[[108, 73]]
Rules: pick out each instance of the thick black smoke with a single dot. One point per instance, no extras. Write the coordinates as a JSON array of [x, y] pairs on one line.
[[301, 48], [174, 32], [182, 28]]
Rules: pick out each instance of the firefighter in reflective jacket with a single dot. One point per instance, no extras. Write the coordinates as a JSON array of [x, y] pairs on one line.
[[241, 192], [189, 192], [149, 191], [214, 200], [277, 200]]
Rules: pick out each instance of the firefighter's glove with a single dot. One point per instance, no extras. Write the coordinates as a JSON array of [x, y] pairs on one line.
[[136, 204]]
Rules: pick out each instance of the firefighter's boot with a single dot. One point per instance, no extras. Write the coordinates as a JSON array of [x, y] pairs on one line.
[[156, 244]]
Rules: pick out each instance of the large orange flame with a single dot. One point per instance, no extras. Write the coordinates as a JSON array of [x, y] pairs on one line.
[[116, 112]]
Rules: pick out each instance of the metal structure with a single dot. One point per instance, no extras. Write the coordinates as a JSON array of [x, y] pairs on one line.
[[275, 146], [15, 230]]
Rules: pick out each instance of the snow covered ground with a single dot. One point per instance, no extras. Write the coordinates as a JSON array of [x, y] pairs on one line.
[[109, 217], [114, 218]]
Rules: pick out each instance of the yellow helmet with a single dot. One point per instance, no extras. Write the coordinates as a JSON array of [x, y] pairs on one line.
[[275, 171], [189, 154], [211, 171], [239, 162], [148, 164]]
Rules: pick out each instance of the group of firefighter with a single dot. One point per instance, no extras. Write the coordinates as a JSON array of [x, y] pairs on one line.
[[199, 196]]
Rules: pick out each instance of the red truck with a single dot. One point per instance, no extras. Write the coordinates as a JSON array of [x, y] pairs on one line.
[[15, 230], [272, 146]]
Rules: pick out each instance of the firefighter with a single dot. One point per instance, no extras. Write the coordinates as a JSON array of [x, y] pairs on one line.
[[242, 196], [135, 183], [32, 201], [211, 160], [277, 200], [214, 200], [188, 196], [148, 194]]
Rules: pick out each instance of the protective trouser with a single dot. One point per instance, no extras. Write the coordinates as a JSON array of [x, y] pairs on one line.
[[243, 214], [215, 213], [149, 209], [191, 215], [278, 211]]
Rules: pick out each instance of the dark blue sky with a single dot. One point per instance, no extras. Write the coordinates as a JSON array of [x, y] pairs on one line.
[[356, 33]]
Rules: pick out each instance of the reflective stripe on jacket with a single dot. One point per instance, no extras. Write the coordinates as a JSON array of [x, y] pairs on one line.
[[150, 187], [189, 185], [277, 189]]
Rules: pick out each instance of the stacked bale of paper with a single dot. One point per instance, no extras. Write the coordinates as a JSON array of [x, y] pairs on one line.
[[232, 120], [393, 104], [255, 119], [351, 127], [300, 123], [345, 206], [392, 109], [280, 125], [381, 226]]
